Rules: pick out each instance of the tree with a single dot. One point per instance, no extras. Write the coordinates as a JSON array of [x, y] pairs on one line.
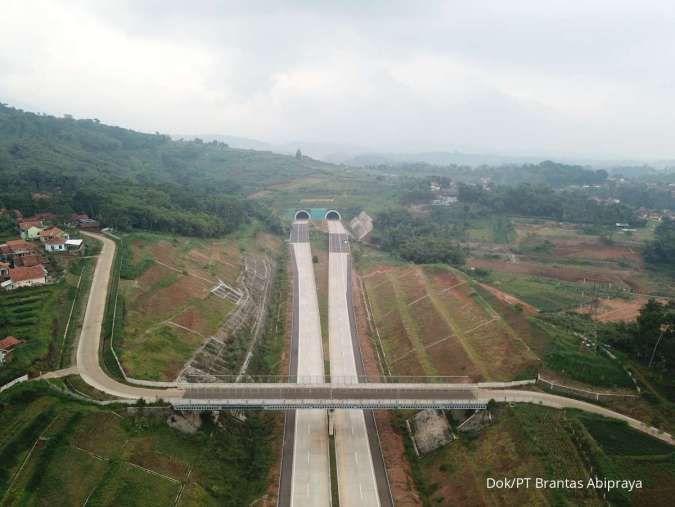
[[298, 154]]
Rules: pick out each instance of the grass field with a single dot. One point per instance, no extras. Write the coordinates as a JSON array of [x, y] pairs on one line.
[[55, 451], [168, 308], [433, 322], [530, 441], [39, 315], [568, 257], [551, 295]]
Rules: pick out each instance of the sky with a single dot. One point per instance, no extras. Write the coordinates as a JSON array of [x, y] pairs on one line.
[[592, 78]]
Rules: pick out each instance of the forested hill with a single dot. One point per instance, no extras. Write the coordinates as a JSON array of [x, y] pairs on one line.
[[128, 179]]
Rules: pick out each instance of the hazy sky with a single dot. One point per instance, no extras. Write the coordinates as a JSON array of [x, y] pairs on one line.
[[574, 77]]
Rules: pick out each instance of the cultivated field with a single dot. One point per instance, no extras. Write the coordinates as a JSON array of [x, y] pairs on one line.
[[39, 316], [59, 452], [555, 266]]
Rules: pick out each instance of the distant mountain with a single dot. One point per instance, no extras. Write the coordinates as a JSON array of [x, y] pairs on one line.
[[327, 152], [359, 156]]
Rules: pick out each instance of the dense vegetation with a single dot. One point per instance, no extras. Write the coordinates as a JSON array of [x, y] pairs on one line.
[[661, 250], [651, 338], [543, 202], [548, 173], [93, 455], [128, 179], [417, 239]]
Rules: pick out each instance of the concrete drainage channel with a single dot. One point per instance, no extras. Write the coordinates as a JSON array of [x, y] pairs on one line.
[[214, 358]]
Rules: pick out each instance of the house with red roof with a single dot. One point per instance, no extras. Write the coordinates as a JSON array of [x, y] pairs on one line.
[[25, 277], [52, 232], [30, 229], [8, 343]]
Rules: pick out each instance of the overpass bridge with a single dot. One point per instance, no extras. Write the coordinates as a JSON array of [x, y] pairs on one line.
[[330, 396]]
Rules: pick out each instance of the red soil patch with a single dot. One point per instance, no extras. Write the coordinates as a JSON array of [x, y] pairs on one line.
[[566, 273], [617, 310], [190, 319], [164, 252], [509, 299], [152, 275], [163, 301], [596, 251]]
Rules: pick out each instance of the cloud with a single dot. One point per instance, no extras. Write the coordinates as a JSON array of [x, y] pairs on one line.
[[556, 78]]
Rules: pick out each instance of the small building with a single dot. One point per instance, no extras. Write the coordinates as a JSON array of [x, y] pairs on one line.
[[9, 343], [29, 230], [75, 246], [82, 221], [55, 244], [44, 217], [26, 277], [52, 232]]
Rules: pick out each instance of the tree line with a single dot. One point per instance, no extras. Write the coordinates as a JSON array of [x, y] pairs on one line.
[[417, 239]]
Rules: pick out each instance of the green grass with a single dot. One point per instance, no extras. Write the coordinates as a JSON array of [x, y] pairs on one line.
[[39, 315], [161, 352], [547, 294], [617, 438], [566, 355], [533, 441], [92, 452]]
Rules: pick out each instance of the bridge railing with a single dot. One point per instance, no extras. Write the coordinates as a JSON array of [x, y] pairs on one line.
[[326, 379]]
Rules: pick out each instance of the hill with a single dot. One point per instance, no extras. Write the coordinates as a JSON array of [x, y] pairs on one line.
[[129, 179]]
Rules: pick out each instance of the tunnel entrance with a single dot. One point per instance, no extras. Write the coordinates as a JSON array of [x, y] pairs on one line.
[[302, 215], [333, 215]]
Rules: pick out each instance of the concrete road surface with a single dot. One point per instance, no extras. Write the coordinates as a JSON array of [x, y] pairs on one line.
[[90, 337], [311, 462], [357, 485]]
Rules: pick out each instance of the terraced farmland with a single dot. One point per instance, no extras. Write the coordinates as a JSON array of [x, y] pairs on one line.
[[39, 316], [60, 452]]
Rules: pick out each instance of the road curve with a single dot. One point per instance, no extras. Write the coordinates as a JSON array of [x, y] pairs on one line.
[[555, 401], [89, 344]]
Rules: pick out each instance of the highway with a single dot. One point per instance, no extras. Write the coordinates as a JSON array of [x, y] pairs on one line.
[[310, 476], [90, 370], [357, 483]]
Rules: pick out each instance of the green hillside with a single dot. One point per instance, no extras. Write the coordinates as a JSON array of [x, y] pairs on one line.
[[128, 179]]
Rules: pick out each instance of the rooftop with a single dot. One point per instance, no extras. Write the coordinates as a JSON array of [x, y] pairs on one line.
[[27, 273]]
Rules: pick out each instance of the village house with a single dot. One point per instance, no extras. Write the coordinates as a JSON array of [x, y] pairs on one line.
[[82, 221], [42, 217], [55, 244], [18, 252], [51, 233], [25, 277], [30, 230], [7, 345], [75, 246]]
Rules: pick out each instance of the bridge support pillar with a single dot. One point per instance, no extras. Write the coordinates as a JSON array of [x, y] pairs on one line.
[[331, 421]]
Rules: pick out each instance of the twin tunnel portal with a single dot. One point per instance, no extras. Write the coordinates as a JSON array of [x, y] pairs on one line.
[[330, 214]]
